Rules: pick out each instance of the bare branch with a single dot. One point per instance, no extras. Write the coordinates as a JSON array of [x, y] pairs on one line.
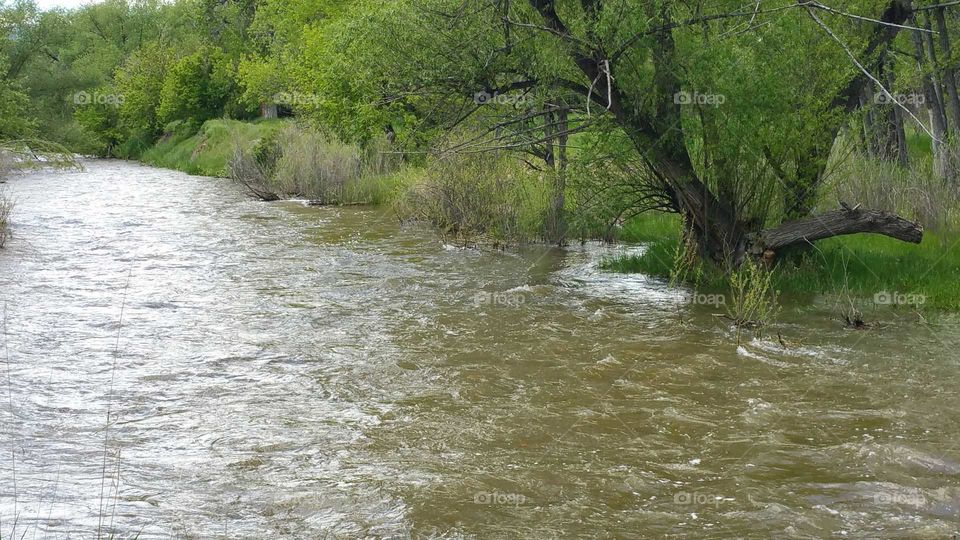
[[856, 62]]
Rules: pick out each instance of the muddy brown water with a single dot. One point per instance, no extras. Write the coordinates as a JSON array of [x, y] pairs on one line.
[[283, 371]]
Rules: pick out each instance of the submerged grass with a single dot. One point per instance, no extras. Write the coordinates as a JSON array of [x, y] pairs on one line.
[[868, 266]]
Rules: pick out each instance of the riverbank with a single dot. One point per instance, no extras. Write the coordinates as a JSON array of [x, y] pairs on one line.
[[860, 271], [206, 151], [863, 270]]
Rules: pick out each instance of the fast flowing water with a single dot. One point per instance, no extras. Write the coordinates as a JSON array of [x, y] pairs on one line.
[[181, 361]]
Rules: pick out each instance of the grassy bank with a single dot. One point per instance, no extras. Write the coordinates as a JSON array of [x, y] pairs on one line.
[[870, 267], [206, 152], [494, 201]]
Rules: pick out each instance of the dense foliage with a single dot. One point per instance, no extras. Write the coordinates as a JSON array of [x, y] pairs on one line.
[[727, 113]]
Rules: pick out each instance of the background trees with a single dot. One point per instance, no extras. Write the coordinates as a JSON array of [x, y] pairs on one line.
[[727, 113]]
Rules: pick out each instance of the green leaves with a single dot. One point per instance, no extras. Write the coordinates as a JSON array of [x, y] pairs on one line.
[[196, 87]]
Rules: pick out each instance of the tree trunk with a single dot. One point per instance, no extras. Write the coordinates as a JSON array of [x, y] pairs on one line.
[[869, 125], [897, 119], [836, 223], [934, 69], [558, 163], [934, 107], [949, 74], [548, 137]]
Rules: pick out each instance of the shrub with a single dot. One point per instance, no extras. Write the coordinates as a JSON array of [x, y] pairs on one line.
[[196, 87], [315, 165], [753, 299], [302, 161], [478, 198]]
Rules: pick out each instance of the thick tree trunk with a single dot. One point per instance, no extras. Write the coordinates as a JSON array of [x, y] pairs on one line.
[[556, 220], [949, 74], [934, 105], [896, 117], [835, 223]]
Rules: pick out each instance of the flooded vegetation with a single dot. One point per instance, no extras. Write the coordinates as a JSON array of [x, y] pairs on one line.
[[183, 361]]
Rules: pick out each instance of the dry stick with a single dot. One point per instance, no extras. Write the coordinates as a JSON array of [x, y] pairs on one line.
[[53, 500], [867, 73], [116, 493], [6, 356], [106, 429]]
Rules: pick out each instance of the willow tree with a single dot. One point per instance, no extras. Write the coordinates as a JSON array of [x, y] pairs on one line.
[[731, 112]]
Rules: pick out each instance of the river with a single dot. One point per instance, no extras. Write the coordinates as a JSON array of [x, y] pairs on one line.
[[273, 370]]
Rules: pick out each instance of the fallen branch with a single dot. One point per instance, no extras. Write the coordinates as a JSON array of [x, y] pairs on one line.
[[836, 223]]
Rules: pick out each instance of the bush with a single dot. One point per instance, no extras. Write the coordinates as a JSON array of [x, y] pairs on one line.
[[197, 87], [314, 165], [302, 161], [479, 198]]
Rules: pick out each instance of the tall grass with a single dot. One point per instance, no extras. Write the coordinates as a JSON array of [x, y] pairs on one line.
[[912, 192], [479, 199], [314, 165], [6, 208], [753, 298], [302, 161]]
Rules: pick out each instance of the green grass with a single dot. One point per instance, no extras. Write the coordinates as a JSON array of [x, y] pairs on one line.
[[382, 189], [861, 265], [918, 143], [207, 151], [650, 227]]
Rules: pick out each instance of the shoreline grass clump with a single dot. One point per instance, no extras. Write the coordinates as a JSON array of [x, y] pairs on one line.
[[302, 161], [753, 298], [475, 199]]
